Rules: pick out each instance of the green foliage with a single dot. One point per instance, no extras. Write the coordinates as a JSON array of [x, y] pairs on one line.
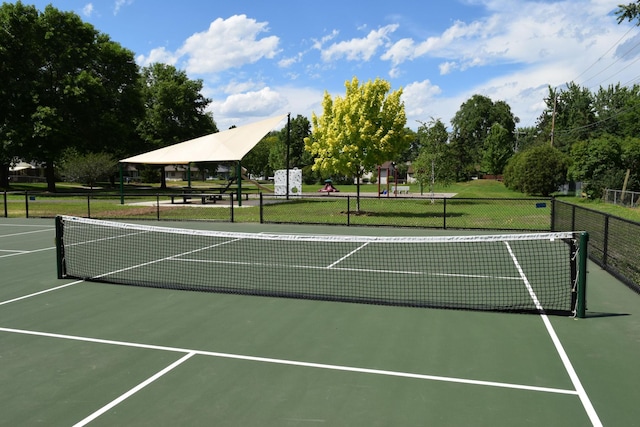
[[498, 149], [434, 163], [64, 84], [257, 160], [470, 127], [300, 128], [539, 170], [602, 163], [88, 168], [629, 12], [360, 131], [174, 107]]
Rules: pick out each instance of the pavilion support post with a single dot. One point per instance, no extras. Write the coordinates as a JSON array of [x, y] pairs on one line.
[[239, 180]]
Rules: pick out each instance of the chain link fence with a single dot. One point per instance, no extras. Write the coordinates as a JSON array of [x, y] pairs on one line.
[[614, 243], [425, 212]]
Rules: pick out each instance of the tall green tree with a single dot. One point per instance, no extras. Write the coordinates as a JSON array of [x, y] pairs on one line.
[[569, 117], [617, 109], [175, 109], [598, 162], [435, 162], [498, 149], [70, 85], [471, 126], [358, 132], [19, 61]]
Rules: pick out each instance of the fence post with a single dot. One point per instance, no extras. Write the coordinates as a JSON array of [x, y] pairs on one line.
[[157, 206], [605, 243], [444, 214], [348, 210], [88, 205], [261, 209], [552, 225], [581, 304], [231, 203], [26, 203], [6, 210]]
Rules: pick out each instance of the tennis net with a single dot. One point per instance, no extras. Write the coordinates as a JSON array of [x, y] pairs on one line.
[[535, 272]]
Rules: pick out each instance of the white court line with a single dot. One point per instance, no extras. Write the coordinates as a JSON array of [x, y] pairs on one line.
[[14, 253], [25, 232], [295, 362], [347, 255], [133, 391], [577, 384], [41, 292]]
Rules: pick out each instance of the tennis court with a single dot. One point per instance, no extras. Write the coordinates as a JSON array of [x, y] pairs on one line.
[[75, 352]]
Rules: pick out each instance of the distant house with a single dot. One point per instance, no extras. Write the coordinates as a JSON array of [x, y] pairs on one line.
[[26, 172]]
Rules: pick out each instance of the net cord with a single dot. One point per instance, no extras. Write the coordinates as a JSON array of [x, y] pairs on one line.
[[70, 220]]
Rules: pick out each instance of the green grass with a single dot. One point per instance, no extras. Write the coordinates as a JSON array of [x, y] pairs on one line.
[[71, 199]]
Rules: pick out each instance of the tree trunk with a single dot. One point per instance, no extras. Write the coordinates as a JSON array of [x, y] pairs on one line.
[[4, 175], [163, 179], [50, 174]]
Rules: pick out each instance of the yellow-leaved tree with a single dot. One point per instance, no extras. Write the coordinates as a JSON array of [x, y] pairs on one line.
[[358, 132]]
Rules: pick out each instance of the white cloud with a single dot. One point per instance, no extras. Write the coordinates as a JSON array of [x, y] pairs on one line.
[[228, 43], [88, 9], [264, 102], [159, 54], [359, 48], [421, 101], [447, 67], [119, 4]]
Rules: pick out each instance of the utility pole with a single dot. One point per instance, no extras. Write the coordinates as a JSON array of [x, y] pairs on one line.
[[553, 117]]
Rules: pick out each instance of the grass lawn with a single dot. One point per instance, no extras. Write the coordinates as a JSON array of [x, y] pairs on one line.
[[104, 203]]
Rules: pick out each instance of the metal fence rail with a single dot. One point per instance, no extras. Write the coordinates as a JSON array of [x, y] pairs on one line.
[[614, 243], [623, 198]]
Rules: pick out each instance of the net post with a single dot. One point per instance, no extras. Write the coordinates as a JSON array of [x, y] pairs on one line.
[[581, 304], [60, 247]]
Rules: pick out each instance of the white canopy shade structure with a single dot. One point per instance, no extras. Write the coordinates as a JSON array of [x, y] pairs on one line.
[[228, 145]]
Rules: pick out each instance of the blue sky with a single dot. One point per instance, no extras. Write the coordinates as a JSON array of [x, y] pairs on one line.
[[259, 59]]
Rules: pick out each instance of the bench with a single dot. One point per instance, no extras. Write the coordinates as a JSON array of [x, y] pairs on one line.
[[399, 189], [188, 194]]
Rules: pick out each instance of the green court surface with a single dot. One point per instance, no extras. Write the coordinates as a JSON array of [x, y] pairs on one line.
[[83, 353]]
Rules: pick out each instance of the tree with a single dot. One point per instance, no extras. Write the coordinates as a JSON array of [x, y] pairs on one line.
[[64, 85], [300, 128], [617, 109], [174, 108], [87, 168], [498, 149], [629, 12], [434, 162], [257, 160], [358, 132], [539, 170], [471, 126], [598, 162], [568, 118], [19, 39]]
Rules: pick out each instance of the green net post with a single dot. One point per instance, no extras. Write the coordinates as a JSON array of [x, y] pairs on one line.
[[581, 305], [59, 248]]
